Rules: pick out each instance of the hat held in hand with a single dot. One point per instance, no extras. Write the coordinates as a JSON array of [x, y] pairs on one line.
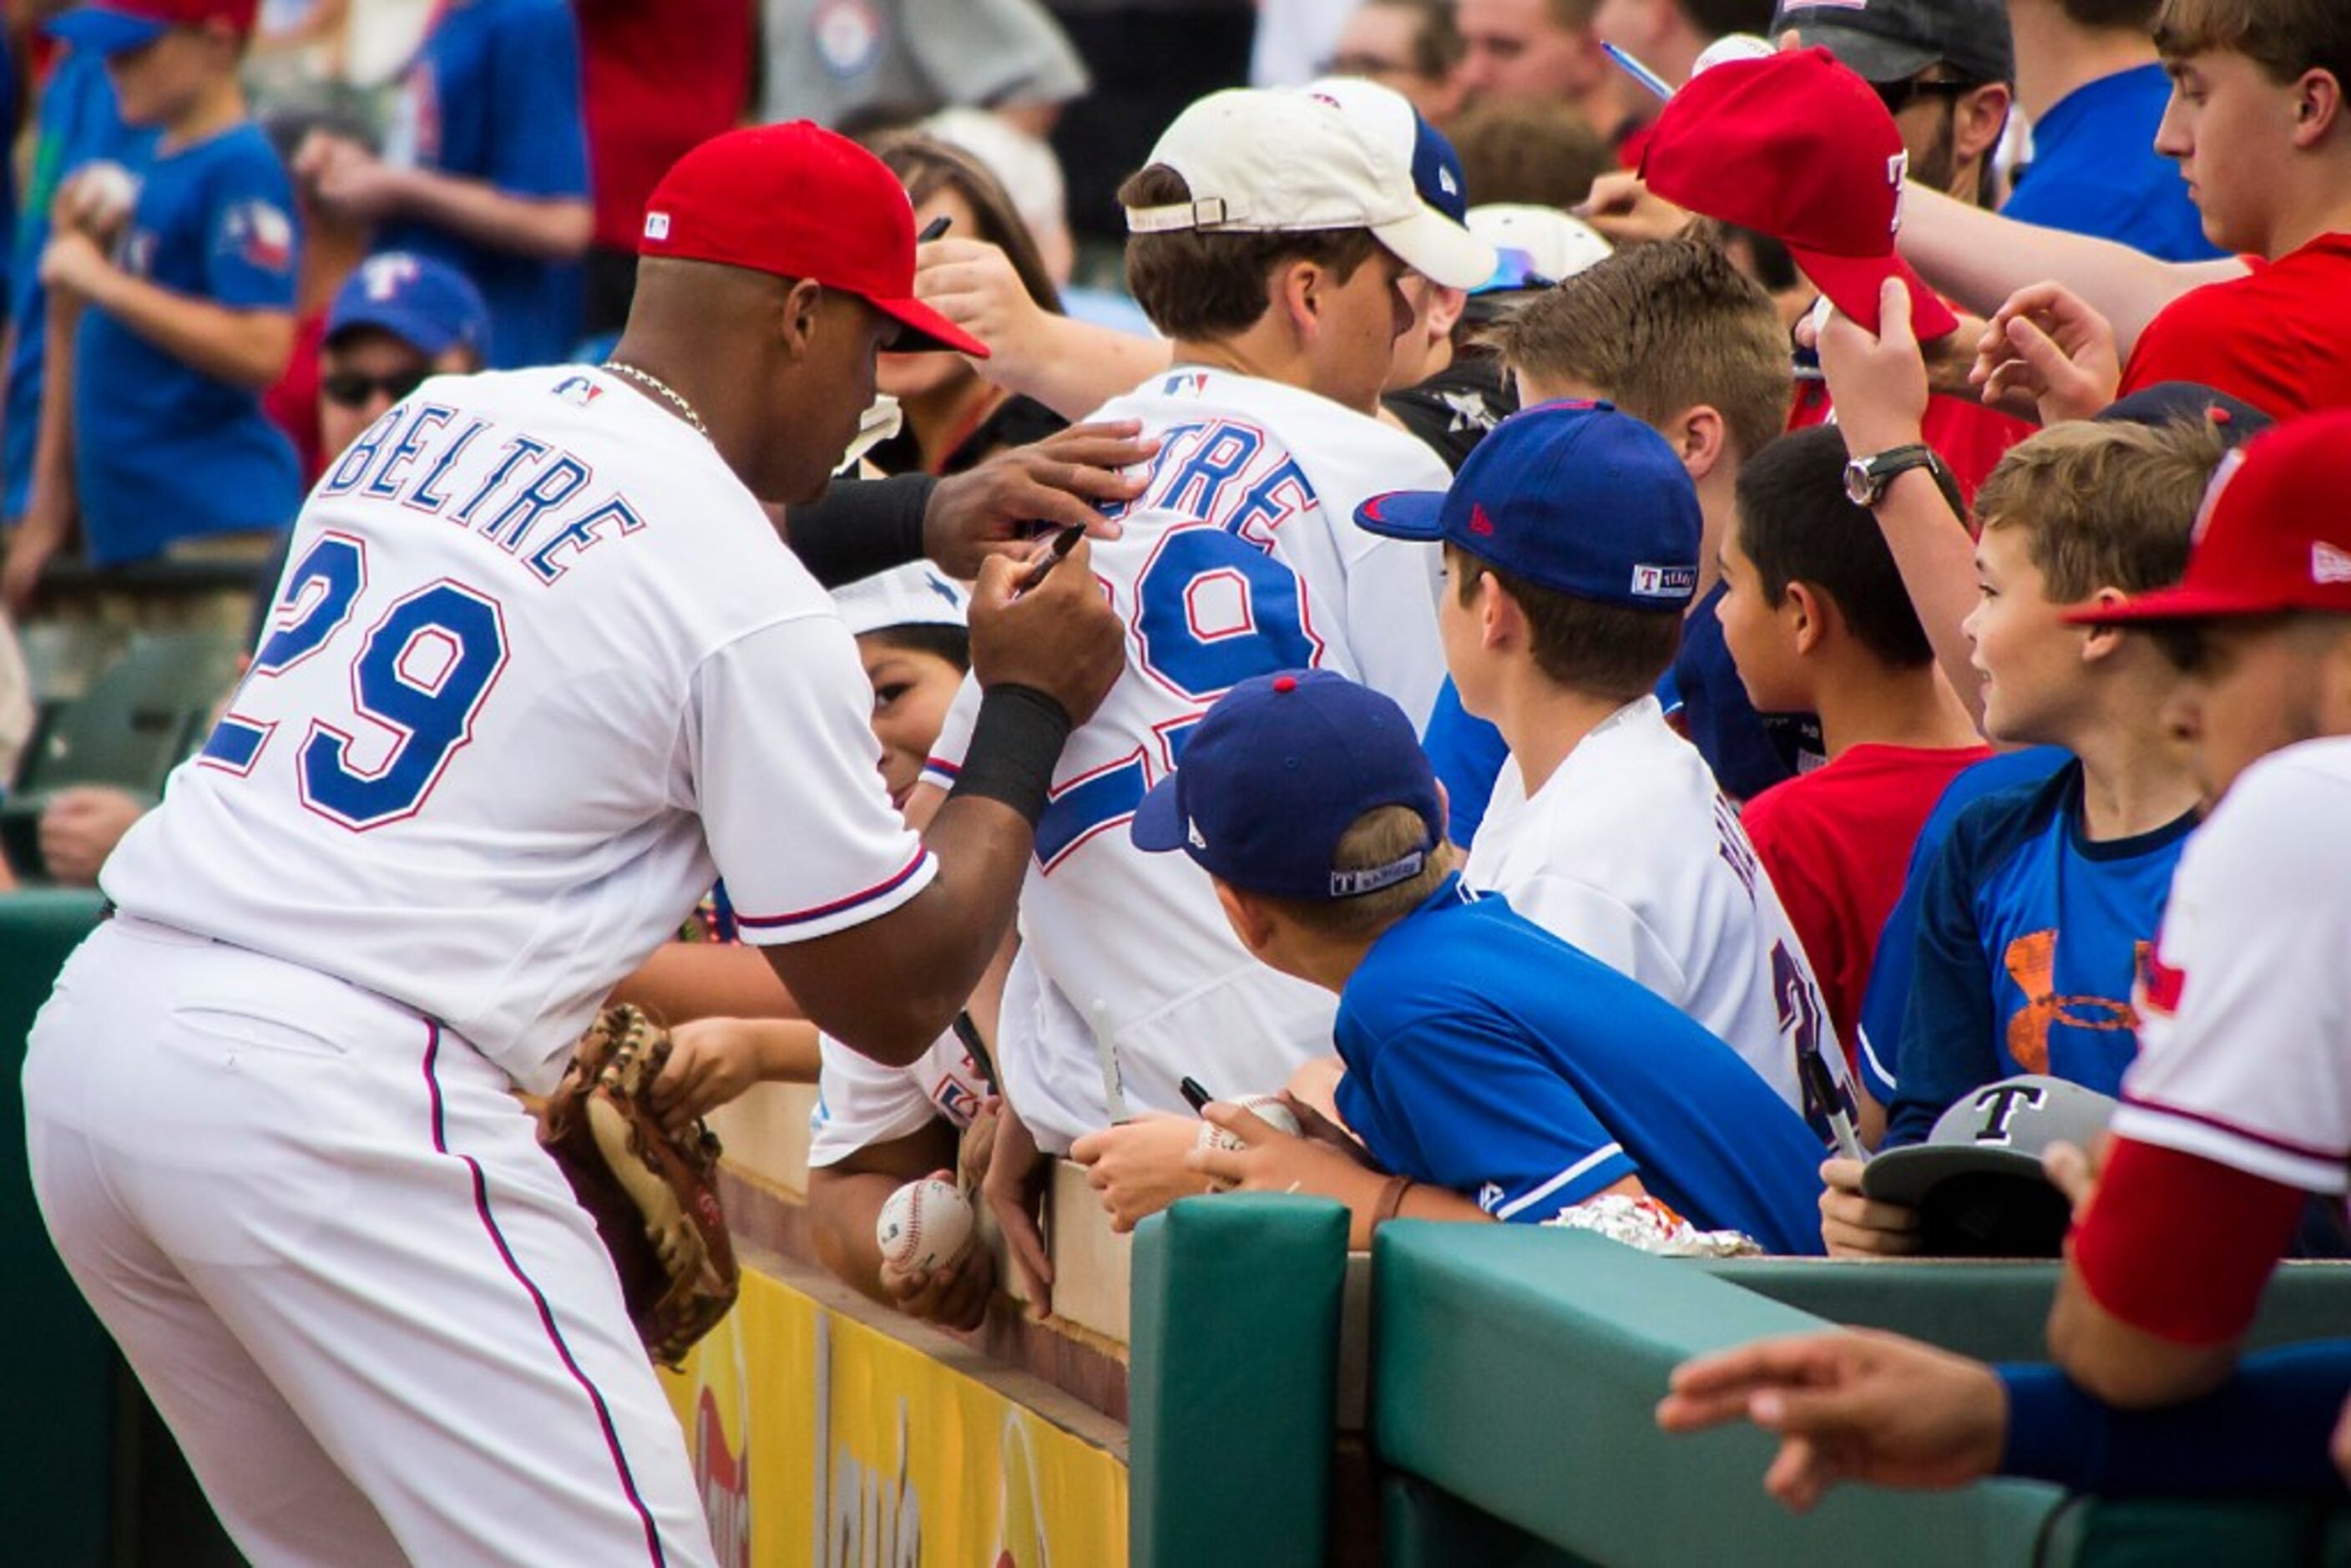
[[1977, 1181]]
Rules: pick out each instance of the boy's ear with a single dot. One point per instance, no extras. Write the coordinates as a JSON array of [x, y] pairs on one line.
[[2101, 642], [1499, 616], [1248, 919], [1700, 439], [1297, 293], [1806, 611], [2318, 106]]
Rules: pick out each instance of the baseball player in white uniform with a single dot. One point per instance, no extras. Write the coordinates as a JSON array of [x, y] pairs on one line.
[[539, 669], [1240, 558]]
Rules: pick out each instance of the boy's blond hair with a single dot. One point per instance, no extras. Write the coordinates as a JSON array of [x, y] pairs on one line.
[[1381, 836], [2104, 505], [2284, 38]]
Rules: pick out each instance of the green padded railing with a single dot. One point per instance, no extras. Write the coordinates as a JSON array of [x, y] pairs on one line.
[[1232, 1382]]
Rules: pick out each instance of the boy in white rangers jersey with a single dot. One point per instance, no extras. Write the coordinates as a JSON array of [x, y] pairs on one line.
[[1571, 540], [1270, 230], [541, 667]]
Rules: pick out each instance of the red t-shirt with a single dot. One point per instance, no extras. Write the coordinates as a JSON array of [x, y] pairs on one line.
[[1837, 843], [2280, 339], [659, 80], [292, 404], [1968, 437]]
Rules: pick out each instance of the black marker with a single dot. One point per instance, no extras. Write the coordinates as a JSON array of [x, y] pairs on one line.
[[1064, 541], [1194, 1095], [933, 229]]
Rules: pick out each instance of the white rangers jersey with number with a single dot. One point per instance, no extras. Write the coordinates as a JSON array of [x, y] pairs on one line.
[[2245, 1013], [1630, 852], [1241, 557], [861, 1101], [539, 669]]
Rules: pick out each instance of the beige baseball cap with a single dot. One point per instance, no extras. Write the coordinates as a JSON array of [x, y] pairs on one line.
[[1284, 161]]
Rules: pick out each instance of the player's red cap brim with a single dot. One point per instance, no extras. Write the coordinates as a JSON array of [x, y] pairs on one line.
[[1854, 282], [925, 329]]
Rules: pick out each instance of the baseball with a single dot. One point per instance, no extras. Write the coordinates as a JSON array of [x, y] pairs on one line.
[[1268, 1107], [103, 193], [926, 1225]]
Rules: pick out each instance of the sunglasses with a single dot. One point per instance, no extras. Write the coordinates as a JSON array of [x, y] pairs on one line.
[[1898, 96], [351, 388]]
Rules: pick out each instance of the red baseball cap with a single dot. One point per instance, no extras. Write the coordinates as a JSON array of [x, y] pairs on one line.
[[798, 201], [120, 24], [1795, 146], [2273, 534]]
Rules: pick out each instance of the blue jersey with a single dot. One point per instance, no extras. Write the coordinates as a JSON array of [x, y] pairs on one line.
[[163, 451], [494, 95], [2031, 941], [1487, 1056], [2095, 170], [78, 122], [1888, 997]]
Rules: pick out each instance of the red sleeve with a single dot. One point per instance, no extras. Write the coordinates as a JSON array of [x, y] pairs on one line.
[[2181, 1247]]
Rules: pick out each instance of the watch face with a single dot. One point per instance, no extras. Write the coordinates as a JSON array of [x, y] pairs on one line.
[[1860, 484]]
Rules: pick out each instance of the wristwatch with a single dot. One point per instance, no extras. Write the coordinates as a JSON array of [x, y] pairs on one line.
[[1866, 478]]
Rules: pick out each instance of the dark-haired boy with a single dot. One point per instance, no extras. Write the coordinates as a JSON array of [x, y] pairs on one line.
[[1485, 1057], [1572, 544], [1818, 622]]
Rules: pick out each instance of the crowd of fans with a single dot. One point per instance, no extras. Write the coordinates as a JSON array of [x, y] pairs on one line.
[[1862, 800]]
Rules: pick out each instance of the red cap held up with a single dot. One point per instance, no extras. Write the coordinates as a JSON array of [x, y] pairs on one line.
[[798, 201], [1795, 146]]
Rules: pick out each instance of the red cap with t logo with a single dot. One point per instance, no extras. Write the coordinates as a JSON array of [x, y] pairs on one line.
[[799, 201], [1795, 146], [2273, 535]]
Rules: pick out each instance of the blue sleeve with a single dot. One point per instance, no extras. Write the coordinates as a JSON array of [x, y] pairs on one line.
[[255, 249], [2263, 1432], [1486, 1116], [1467, 754], [1947, 1029], [539, 144]]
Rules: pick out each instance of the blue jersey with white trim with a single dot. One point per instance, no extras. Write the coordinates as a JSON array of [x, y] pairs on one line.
[[1487, 1056]]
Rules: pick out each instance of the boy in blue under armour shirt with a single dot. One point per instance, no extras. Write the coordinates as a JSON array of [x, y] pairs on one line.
[[1495, 1070], [152, 429], [2035, 917]]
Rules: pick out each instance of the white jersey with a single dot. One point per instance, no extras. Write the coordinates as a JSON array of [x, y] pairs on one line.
[[1630, 852], [540, 668], [2245, 1014], [1242, 556], [860, 1101]]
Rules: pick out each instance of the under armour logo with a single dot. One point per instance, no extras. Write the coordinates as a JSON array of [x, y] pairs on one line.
[[2001, 1101]]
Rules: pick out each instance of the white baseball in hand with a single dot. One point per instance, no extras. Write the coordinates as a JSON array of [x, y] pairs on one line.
[[1269, 1109], [926, 1225], [104, 192]]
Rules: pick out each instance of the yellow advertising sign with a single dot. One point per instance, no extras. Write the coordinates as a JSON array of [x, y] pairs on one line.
[[819, 1442]]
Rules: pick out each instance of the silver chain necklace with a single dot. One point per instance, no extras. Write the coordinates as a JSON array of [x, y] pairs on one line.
[[662, 390]]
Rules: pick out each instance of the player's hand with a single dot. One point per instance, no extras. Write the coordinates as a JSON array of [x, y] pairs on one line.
[[1269, 1159], [1137, 1166], [995, 508], [973, 284], [711, 1062], [2048, 354], [1626, 211], [1877, 379], [79, 828], [73, 264], [1858, 1227], [1849, 1406], [954, 1297], [1015, 1170], [1059, 637]]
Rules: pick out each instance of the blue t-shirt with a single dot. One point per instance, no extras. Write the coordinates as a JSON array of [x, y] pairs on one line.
[[1487, 1056], [161, 450], [78, 122], [2095, 170], [2031, 940], [494, 95], [1888, 995]]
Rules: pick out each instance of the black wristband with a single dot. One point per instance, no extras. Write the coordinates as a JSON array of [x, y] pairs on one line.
[[861, 527], [1015, 743]]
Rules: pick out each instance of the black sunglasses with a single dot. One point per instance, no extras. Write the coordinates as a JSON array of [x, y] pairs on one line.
[[1898, 96], [351, 388]]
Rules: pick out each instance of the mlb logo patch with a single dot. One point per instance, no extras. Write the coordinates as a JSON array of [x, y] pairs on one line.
[[577, 391], [657, 226], [1664, 581]]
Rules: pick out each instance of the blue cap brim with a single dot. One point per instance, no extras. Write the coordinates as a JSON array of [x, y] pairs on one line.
[[1403, 515], [105, 32], [424, 333], [1158, 824]]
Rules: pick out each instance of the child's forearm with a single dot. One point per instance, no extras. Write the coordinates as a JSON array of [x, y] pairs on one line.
[[51, 501], [243, 348], [556, 228]]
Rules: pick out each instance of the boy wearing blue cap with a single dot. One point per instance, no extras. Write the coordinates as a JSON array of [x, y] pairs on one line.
[[1485, 1057], [152, 429], [400, 319], [1572, 544]]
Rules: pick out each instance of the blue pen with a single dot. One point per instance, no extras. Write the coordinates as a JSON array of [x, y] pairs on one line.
[[1638, 71]]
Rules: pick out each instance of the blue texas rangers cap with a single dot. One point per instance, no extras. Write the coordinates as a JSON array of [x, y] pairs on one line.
[[1572, 497], [1276, 773], [427, 303]]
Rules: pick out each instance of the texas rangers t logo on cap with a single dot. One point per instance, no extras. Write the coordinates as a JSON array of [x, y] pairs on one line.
[[2003, 1102]]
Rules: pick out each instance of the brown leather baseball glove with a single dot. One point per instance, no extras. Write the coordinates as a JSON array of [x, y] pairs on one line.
[[653, 1197]]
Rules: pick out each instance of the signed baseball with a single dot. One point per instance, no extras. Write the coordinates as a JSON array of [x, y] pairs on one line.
[[1269, 1109], [926, 1225]]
